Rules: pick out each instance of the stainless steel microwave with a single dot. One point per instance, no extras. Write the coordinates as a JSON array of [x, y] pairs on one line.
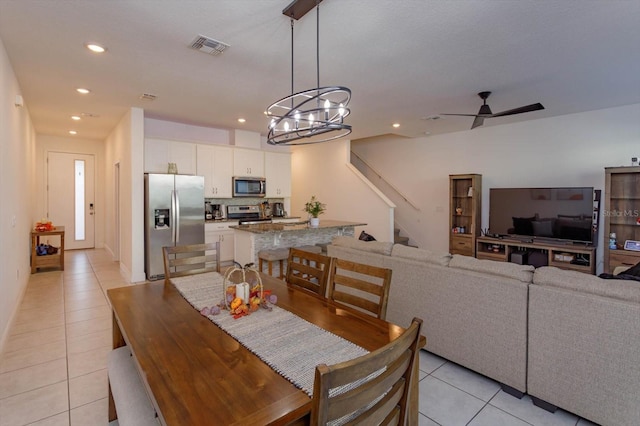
[[249, 186]]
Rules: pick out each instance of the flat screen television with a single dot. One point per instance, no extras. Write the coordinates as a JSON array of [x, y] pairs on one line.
[[558, 214]]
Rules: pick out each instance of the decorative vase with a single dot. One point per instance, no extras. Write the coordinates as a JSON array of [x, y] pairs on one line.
[[314, 222]]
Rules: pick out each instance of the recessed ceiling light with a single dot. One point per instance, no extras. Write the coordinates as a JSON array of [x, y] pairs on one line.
[[96, 48], [75, 117], [396, 125], [73, 132], [83, 90], [241, 120]]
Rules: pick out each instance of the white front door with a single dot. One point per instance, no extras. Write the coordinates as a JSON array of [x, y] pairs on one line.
[[70, 197]]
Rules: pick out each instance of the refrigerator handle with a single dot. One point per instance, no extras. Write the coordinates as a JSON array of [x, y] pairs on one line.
[[177, 215], [173, 217]]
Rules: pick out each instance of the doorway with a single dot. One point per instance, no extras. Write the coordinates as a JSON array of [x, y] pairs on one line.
[[116, 213], [71, 197]]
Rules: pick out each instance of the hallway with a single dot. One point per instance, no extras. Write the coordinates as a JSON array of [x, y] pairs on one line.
[[53, 368]]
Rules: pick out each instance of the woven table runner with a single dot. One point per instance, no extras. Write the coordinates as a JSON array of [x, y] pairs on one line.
[[287, 343]]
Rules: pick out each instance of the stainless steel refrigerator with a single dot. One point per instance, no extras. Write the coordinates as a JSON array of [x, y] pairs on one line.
[[173, 215]]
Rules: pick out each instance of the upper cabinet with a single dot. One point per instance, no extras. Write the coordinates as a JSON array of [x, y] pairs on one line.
[[278, 174], [248, 162], [215, 163], [158, 153]]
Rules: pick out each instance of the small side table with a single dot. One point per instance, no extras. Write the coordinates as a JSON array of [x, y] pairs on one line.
[[50, 260]]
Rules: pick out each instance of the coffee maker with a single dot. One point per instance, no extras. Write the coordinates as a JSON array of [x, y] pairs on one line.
[[217, 211], [278, 209], [212, 211]]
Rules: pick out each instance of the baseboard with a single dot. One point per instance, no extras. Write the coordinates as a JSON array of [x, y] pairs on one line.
[[13, 317]]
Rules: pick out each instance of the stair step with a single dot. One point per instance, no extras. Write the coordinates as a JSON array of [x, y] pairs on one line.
[[401, 240]]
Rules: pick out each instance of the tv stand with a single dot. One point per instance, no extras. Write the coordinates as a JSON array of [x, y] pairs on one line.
[[580, 258]]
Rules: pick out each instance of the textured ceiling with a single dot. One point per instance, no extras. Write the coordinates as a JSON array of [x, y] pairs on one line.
[[404, 60]]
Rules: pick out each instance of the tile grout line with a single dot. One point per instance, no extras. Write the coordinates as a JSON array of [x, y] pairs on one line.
[[66, 348]]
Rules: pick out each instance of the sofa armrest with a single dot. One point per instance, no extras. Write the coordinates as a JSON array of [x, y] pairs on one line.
[[584, 354]]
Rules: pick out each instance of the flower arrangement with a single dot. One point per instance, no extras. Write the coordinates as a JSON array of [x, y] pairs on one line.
[[314, 207]]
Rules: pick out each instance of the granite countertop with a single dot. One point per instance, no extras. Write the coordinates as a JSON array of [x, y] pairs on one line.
[[266, 228]]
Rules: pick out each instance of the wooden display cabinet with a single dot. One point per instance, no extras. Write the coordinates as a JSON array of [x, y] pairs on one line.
[[621, 215], [465, 192]]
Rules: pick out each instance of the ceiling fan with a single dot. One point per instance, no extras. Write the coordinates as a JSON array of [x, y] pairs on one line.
[[485, 111]]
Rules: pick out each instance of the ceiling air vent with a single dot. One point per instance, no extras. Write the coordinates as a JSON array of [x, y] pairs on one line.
[[208, 45], [147, 97]]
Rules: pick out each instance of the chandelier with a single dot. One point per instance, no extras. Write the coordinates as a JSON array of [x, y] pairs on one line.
[[314, 115]]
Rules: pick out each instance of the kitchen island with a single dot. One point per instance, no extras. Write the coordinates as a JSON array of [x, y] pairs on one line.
[[250, 239]]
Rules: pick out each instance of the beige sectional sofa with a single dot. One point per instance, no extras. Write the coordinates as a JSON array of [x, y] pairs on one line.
[[568, 339], [584, 345], [474, 311]]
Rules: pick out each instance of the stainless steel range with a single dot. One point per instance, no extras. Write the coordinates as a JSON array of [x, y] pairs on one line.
[[246, 215]]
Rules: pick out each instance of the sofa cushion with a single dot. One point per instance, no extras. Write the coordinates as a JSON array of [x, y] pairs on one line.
[[379, 247], [522, 273], [573, 280], [420, 255]]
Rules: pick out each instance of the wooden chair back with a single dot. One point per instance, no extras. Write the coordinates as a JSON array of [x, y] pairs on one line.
[[191, 259], [308, 270], [371, 389], [364, 287]]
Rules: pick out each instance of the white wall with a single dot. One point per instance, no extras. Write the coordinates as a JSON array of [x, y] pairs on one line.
[[570, 150], [17, 190], [48, 143], [324, 170], [125, 146]]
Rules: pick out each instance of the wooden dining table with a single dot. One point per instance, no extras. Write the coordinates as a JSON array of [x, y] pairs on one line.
[[197, 374]]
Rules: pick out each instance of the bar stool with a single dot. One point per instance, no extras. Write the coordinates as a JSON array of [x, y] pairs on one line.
[[310, 249], [323, 247], [270, 256]]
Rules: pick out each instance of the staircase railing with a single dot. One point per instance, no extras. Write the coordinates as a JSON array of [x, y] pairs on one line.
[[386, 182]]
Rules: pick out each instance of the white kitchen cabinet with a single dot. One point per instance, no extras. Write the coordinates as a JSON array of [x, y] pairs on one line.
[[248, 162], [215, 163], [158, 153], [220, 232], [278, 174]]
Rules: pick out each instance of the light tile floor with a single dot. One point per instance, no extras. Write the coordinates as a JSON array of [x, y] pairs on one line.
[[53, 368]]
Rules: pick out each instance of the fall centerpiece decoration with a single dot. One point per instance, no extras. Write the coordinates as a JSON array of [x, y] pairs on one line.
[[314, 208], [44, 226], [242, 298]]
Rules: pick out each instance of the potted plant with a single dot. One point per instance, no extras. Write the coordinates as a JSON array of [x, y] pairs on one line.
[[314, 208]]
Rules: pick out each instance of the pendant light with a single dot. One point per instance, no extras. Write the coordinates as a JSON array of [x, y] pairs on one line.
[[314, 115]]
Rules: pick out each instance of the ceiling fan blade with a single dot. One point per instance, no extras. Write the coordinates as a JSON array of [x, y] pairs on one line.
[[462, 115], [479, 121], [528, 108]]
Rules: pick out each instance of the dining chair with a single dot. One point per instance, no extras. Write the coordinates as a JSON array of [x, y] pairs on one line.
[[371, 389], [191, 259], [364, 287], [308, 270]]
